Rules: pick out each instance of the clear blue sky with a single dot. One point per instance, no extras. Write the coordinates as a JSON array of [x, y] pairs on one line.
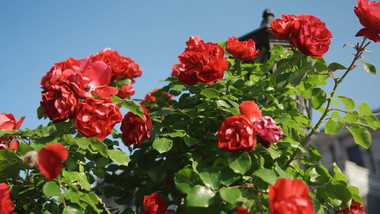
[[36, 34]]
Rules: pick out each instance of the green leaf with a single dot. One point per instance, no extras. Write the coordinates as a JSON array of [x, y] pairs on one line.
[[185, 179], [78, 176], [119, 156], [210, 93], [8, 154], [314, 154], [319, 98], [134, 108], [162, 145], [239, 163], [40, 112], [336, 66], [364, 109], [23, 148], [157, 174], [338, 194], [189, 140], [199, 196], [333, 127], [267, 175], [72, 210], [91, 199], [317, 80], [51, 189], [361, 135], [228, 176], [371, 69], [231, 195], [210, 177], [99, 146], [348, 103]]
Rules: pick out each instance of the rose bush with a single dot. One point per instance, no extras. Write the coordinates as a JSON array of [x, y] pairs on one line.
[[222, 136]]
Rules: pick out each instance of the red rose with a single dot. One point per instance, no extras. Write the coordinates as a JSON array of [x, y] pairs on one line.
[[236, 134], [50, 160], [12, 143], [201, 62], [134, 129], [310, 35], [355, 208], [244, 50], [121, 67], [6, 205], [95, 117], [267, 131], [9, 122], [154, 204], [290, 196], [150, 97], [97, 76], [369, 16], [63, 72], [306, 32], [59, 102], [126, 90], [281, 27], [241, 210]]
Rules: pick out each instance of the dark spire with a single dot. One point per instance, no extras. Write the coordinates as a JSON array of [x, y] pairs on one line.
[[268, 17]]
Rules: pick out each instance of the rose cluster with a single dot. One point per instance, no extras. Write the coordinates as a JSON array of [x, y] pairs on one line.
[[205, 62], [82, 89], [241, 132], [305, 32]]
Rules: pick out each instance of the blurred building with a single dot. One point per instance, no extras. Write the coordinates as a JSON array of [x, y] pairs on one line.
[[361, 166]]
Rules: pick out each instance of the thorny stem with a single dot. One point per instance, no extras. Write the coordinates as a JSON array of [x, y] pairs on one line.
[[359, 51]]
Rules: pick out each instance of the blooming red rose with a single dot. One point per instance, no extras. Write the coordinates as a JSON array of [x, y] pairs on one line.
[[201, 62], [121, 67], [6, 205], [244, 50], [310, 35], [369, 16], [95, 117], [241, 210], [9, 122], [281, 27], [236, 134], [59, 102], [126, 90], [267, 131], [135, 129], [50, 160], [63, 72], [97, 76], [154, 204], [355, 208], [290, 196]]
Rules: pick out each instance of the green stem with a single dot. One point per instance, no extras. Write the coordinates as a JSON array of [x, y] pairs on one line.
[[359, 51]]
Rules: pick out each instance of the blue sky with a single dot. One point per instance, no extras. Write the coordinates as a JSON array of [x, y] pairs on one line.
[[36, 34]]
